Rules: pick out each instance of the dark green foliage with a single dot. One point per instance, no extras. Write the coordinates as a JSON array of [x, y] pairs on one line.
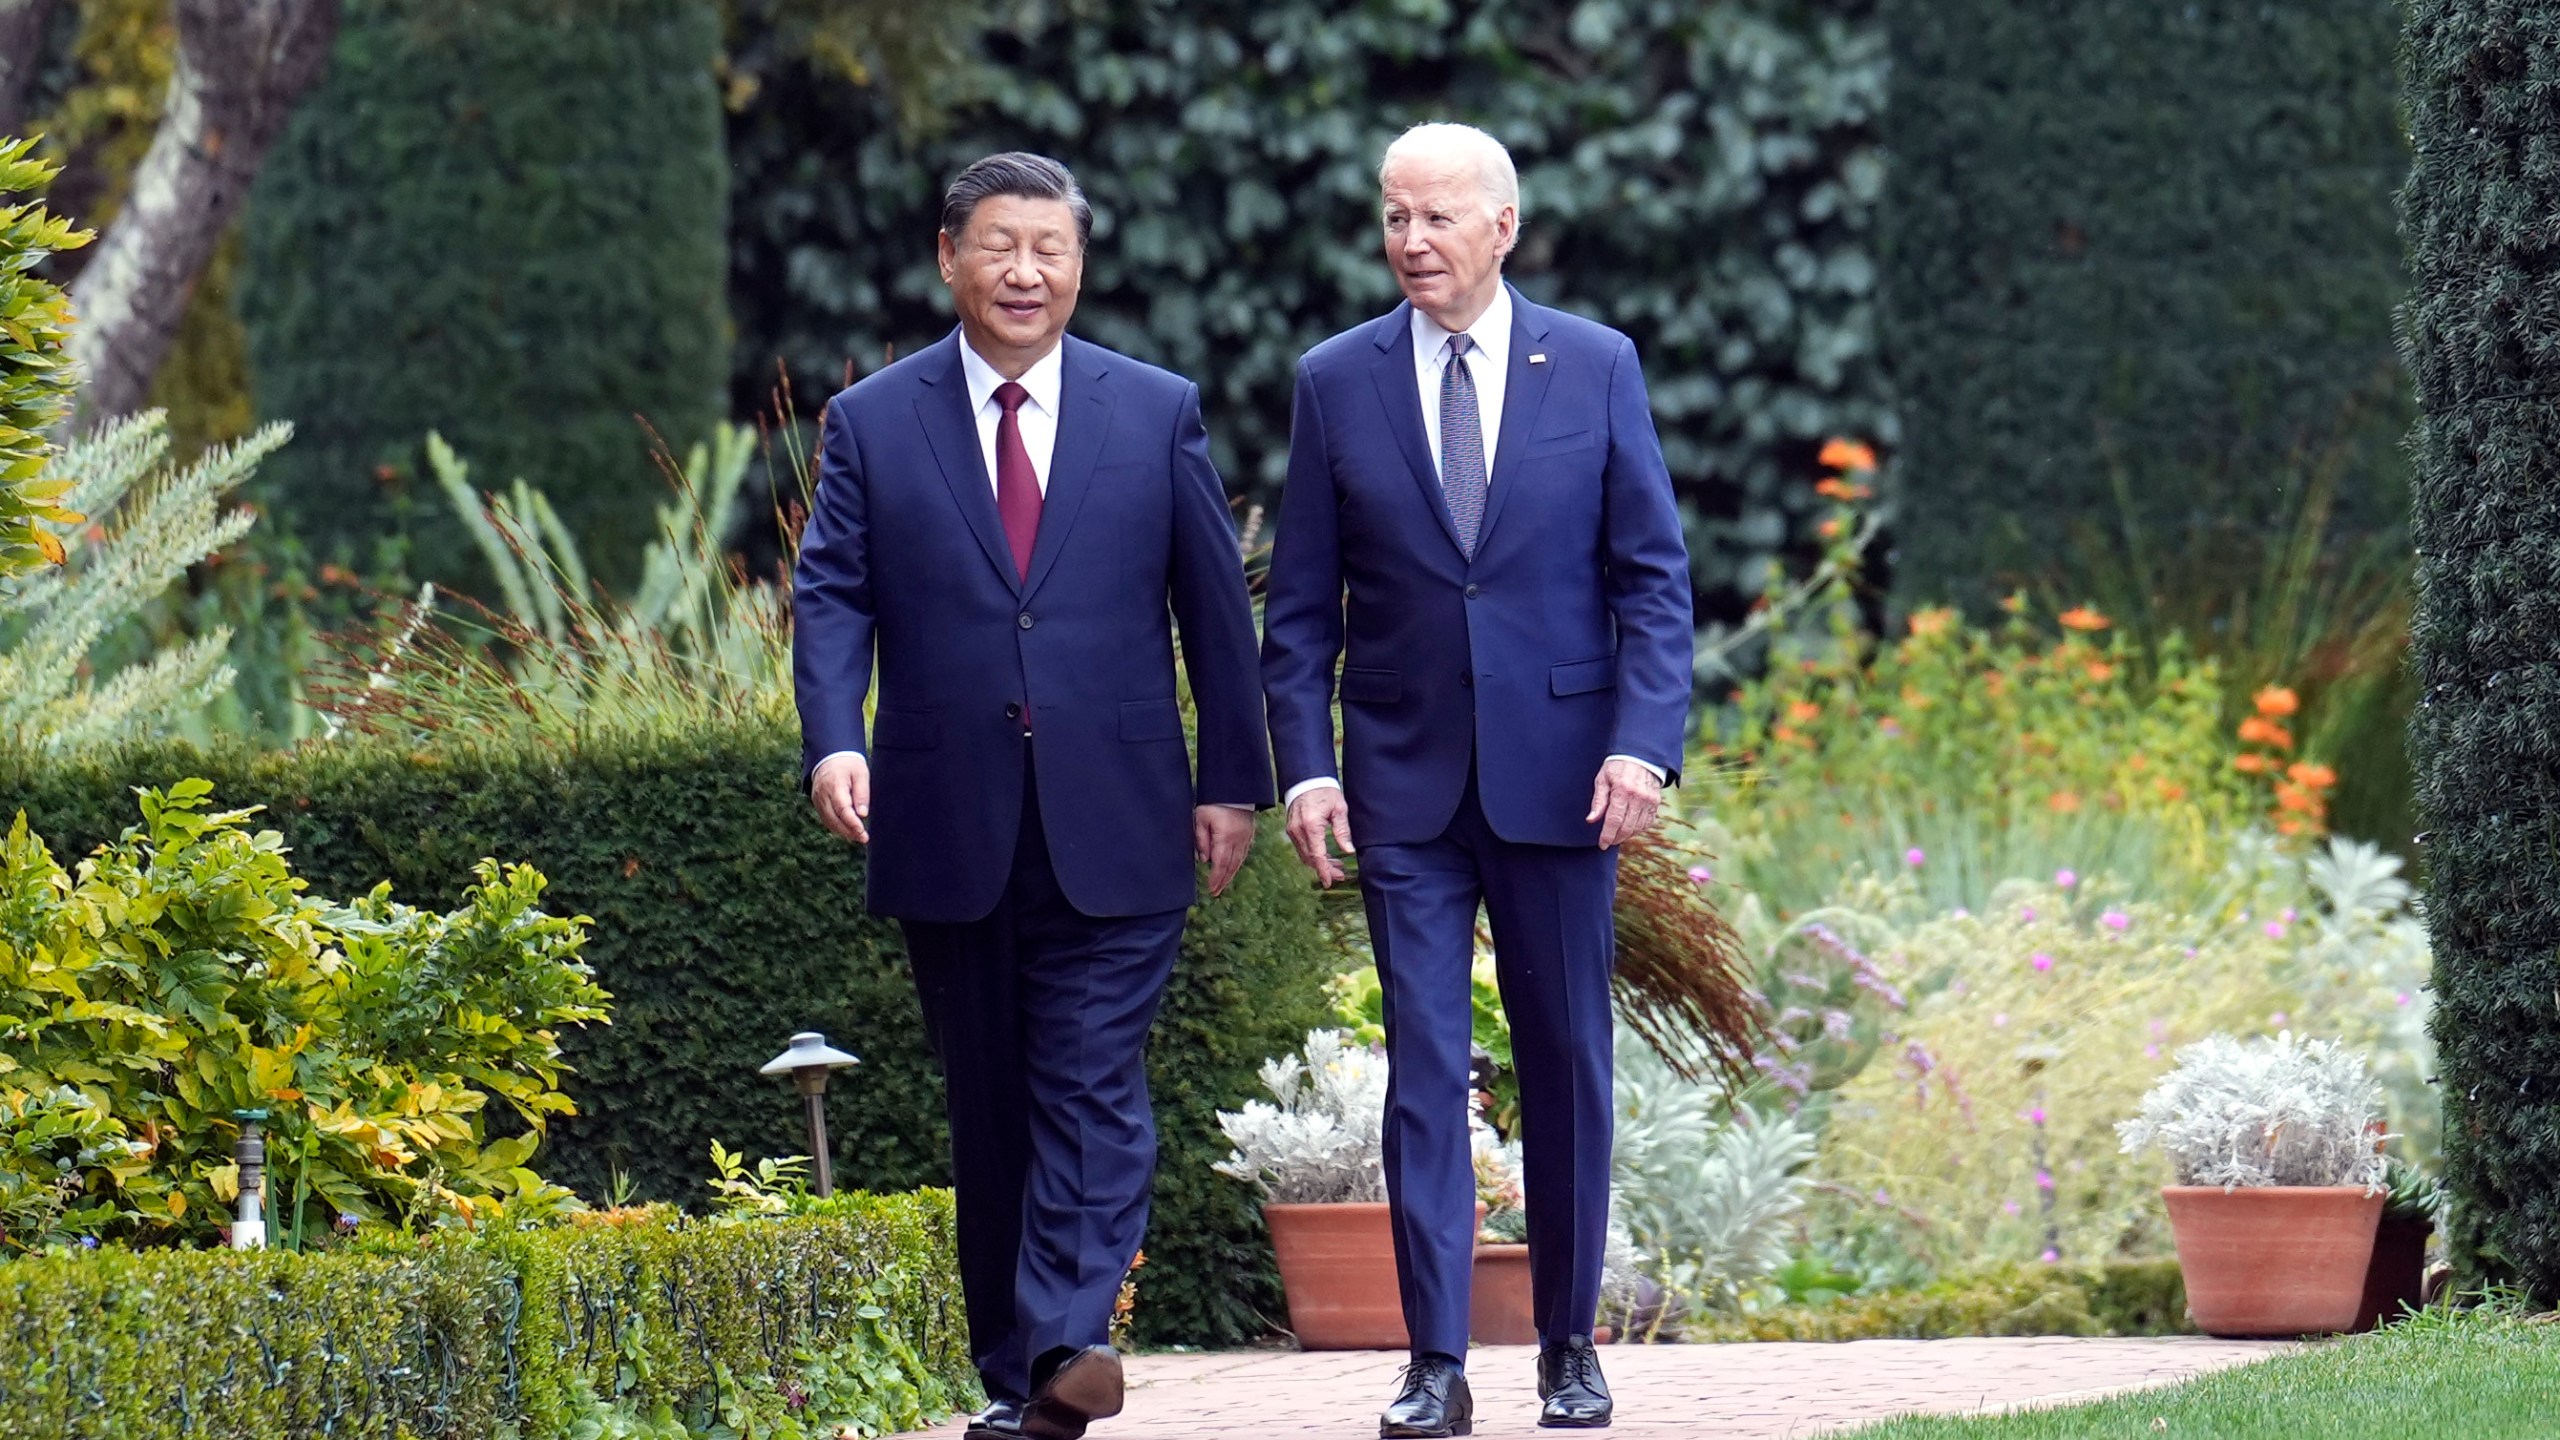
[[2139, 271], [726, 919], [2486, 737], [504, 221], [2120, 1297], [521, 1334], [1701, 175]]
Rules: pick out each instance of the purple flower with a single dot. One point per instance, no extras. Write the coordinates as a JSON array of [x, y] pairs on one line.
[[1882, 1198], [2036, 1116], [2026, 914], [2044, 1179], [2278, 1020], [2051, 1255], [1915, 857], [2191, 952], [1701, 874], [2150, 1052], [2042, 962], [2064, 879], [347, 1223], [2402, 999], [2116, 920], [2008, 1207], [2275, 929], [88, 1242], [2291, 915]]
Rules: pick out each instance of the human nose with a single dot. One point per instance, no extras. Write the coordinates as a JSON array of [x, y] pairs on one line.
[[1022, 273], [1415, 243]]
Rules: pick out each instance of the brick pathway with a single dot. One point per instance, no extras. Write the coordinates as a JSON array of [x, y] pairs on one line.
[[1665, 1392]]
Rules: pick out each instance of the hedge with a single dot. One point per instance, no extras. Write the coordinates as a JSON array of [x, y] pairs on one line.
[[505, 221], [726, 919], [2120, 1297], [852, 1316], [2137, 251], [2486, 735], [1700, 175]]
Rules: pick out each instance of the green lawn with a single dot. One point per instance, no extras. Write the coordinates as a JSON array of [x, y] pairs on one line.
[[2477, 1377]]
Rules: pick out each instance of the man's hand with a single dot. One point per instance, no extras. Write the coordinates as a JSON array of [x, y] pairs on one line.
[[842, 792], [1221, 835], [1626, 800], [1313, 817]]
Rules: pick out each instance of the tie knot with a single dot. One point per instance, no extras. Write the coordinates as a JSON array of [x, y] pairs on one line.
[[1459, 345], [1010, 395]]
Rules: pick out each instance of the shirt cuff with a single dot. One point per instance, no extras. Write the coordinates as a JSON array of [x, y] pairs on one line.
[[1660, 775], [832, 754], [1230, 805], [1303, 786]]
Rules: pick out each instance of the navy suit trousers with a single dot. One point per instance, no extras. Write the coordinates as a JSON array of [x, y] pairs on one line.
[[1554, 948], [1039, 1015]]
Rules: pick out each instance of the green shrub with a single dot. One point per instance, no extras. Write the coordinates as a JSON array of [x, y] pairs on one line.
[[621, 1325], [725, 919], [2486, 735], [505, 221], [1700, 175], [183, 974], [2140, 270], [36, 379], [2125, 1297]]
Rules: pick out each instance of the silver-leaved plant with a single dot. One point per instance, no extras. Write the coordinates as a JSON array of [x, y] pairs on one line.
[[2264, 1111]]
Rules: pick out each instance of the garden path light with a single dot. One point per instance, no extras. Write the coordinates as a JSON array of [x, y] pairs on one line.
[[807, 1062]]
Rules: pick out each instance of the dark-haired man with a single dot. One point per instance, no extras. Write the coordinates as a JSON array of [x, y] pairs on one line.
[[1007, 526]]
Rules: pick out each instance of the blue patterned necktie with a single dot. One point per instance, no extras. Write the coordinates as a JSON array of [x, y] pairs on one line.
[[1462, 478]]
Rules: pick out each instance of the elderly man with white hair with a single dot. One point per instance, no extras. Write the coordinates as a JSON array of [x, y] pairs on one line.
[[1479, 528]]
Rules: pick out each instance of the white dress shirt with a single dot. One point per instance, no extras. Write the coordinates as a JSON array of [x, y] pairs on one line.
[[1039, 414], [1488, 362], [1038, 419]]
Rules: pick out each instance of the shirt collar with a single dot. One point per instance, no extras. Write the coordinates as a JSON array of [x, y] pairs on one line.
[[1491, 332], [1041, 380]]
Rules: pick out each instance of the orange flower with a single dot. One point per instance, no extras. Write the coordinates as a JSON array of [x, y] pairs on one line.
[[2083, 617], [2172, 792], [2312, 777], [1829, 529], [2275, 702], [1912, 697], [1804, 710], [2294, 797], [2064, 802], [1848, 455], [2258, 731], [2288, 827], [2101, 671], [1936, 621], [2250, 764], [1847, 492]]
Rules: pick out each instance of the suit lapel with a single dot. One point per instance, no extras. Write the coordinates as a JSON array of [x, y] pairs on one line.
[[1401, 396], [1085, 402], [1524, 390], [952, 431]]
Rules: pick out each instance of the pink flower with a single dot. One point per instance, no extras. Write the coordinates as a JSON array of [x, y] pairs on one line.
[[2291, 915], [2051, 1256], [2150, 1052], [2116, 920], [2044, 1179], [2275, 929], [2191, 952], [1915, 857], [1882, 1197], [2000, 1019], [2026, 914], [2008, 1207], [2036, 1116], [2402, 998], [2278, 1019], [1701, 874], [2065, 879], [2042, 962]]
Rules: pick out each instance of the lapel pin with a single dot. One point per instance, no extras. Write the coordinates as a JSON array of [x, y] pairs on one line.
[[1537, 359]]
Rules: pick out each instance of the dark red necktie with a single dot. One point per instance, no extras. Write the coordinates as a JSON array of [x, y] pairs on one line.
[[1017, 489]]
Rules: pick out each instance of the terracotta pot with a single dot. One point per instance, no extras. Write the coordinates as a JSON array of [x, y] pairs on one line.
[[2281, 1260], [2397, 1275], [1338, 1270], [1498, 1310]]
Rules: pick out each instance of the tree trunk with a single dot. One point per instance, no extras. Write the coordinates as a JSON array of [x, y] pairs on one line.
[[242, 65], [22, 30]]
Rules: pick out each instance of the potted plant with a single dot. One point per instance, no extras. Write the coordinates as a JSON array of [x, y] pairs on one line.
[[2395, 1280], [2279, 1185], [1314, 1151]]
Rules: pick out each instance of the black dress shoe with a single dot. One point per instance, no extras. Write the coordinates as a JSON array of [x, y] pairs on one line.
[[1087, 1386], [1570, 1382], [1434, 1401], [1001, 1420]]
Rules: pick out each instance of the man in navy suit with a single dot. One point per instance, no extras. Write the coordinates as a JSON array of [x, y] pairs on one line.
[[1007, 526], [1479, 477]]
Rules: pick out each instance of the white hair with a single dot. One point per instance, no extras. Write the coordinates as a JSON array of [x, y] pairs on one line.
[[1495, 175]]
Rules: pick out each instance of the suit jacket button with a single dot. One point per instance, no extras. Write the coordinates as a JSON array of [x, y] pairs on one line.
[[1471, 592], [1012, 710], [1025, 621]]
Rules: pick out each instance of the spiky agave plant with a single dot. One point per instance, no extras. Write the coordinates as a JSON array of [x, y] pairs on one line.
[[159, 521]]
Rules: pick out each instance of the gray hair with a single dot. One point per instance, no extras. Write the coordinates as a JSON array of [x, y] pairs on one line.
[[1020, 174], [1495, 174]]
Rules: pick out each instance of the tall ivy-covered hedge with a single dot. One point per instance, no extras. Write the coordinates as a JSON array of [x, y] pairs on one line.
[[725, 920], [2139, 257], [505, 221], [1701, 175], [2485, 266]]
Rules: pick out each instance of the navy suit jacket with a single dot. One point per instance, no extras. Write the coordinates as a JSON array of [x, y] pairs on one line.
[[1565, 641], [904, 569]]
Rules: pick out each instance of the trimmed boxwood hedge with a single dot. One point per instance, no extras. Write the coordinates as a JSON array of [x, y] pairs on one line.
[[520, 1334], [725, 919]]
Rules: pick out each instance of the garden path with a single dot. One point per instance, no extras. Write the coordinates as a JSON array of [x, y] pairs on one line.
[[1665, 1392]]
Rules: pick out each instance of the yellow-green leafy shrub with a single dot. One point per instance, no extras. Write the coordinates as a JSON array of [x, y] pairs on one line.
[[36, 378], [181, 973], [2125, 1297]]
